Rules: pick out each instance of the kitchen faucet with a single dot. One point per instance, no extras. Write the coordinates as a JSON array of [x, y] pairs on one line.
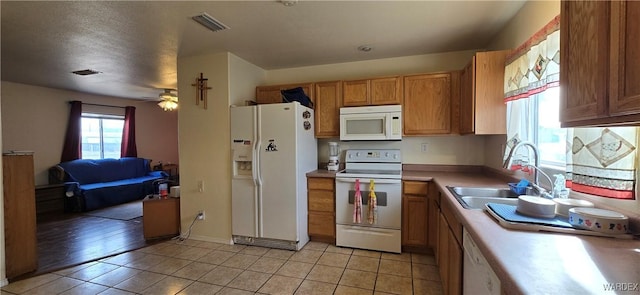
[[536, 166]]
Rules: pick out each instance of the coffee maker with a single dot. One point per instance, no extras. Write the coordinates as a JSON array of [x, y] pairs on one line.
[[334, 157]]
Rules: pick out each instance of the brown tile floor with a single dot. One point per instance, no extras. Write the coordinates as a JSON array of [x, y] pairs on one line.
[[195, 267]]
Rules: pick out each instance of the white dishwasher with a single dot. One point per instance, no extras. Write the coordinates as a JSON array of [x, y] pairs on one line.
[[477, 276]]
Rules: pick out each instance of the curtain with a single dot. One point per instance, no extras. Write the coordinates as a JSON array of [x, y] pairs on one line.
[[72, 146], [530, 70], [128, 147], [599, 161], [602, 161]]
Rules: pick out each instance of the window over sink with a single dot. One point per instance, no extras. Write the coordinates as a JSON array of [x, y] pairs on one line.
[[599, 161]]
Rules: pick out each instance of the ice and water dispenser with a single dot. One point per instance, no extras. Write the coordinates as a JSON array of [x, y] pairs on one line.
[[242, 158]]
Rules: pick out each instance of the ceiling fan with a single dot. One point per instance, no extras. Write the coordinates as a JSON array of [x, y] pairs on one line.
[[169, 100]]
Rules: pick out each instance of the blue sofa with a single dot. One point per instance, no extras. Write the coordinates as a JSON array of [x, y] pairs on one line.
[[106, 182]]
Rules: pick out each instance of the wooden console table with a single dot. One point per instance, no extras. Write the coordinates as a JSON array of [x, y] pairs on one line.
[[160, 217]]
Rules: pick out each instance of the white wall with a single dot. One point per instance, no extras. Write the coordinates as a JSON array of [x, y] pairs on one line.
[[35, 118], [204, 140], [243, 79], [204, 148]]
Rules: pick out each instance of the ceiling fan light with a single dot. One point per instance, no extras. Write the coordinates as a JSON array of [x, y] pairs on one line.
[[168, 105]]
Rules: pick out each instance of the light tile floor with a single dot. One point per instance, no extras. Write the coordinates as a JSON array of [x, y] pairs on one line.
[[196, 267]]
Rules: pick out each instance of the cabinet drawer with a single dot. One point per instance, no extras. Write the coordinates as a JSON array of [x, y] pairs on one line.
[[415, 187], [320, 200], [322, 224], [321, 183]]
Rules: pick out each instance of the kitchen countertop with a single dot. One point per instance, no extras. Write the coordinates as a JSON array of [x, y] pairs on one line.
[[322, 173], [538, 262]]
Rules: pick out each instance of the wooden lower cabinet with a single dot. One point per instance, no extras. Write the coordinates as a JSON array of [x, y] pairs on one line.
[[449, 250], [418, 226], [454, 285], [21, 255], [321, 209], [414, 220]]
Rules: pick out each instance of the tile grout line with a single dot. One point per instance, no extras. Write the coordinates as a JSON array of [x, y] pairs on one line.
[[171, 254]]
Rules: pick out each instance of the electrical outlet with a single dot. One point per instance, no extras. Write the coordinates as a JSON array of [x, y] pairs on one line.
[[201, 215], [423, 147]]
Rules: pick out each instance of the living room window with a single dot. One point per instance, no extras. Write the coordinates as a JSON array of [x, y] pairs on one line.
[[101, 136]]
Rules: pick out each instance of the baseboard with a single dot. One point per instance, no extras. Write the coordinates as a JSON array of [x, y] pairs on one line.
[[212, 239], [4, 282]]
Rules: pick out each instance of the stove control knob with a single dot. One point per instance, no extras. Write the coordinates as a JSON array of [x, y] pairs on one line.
[[386, 155], [395, 156], [358, 154]]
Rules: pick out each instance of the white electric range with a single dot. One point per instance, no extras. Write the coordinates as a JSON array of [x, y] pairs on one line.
[[384, 167]]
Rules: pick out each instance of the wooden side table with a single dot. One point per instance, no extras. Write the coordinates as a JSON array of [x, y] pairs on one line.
[[160, 217], [50, 201]]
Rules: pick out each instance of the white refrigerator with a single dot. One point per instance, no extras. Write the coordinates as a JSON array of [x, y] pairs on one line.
[[273, 146]]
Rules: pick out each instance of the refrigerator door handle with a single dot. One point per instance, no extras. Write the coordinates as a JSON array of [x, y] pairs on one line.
[[258, 136], [256, 163]]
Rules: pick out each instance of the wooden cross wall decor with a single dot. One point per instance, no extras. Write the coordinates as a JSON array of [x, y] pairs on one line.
[[201, 90]]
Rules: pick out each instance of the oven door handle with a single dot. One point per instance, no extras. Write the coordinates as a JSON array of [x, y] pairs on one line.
[[366, 180]]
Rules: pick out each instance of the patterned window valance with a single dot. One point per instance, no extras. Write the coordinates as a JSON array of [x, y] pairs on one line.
[[602, 161], [531, 69], [535, 65]]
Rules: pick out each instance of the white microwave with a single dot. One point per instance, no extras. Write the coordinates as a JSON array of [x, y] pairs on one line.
[[371, 123]]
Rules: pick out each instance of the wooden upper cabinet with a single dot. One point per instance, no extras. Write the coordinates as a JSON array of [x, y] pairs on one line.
[[482, 107], [379, 91], [427, 104], [467, 101], [386, 91], [584, 53], [599, 63], [355, 93], [624, 94], [271, 94], [327, 108]]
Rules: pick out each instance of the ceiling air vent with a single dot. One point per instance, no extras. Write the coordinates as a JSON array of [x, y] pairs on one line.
[[86, 72], [209, 22]]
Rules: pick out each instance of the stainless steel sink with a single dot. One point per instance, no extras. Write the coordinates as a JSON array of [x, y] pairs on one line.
[[483, 192], [477, 197], [480, 202]]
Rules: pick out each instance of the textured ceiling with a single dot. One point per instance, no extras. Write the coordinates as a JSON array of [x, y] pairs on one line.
[[135, 45]]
